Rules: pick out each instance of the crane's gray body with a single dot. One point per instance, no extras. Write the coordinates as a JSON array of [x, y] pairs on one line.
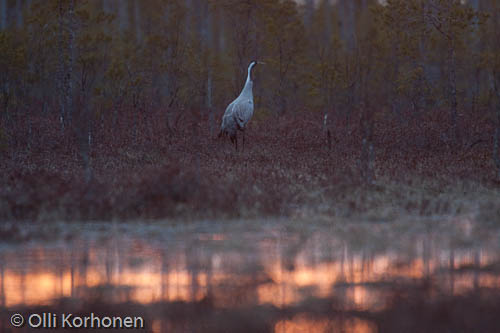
[[239, 112]]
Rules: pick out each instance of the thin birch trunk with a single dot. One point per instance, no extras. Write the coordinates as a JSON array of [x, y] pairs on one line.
[[209, 104], [326, 130], [496, 138], [71, 60], [61, 67], [86, 139], [453, 90]]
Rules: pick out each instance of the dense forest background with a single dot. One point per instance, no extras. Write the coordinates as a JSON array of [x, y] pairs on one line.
[[85, 80]]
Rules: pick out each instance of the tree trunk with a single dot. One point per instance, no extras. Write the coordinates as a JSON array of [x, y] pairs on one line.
[[367, 157], [3, 14], [71, 60], [135, 103], [348, 20], [496, 155], [61, 66], [196, 143], [209, 104], [474, 4], [367, 151], [453, 90], [66, 49], [19, 14], [326, 130], [496, 139], [309, 11], [85, 138], [123, 15], [206, 33], [137, 21]]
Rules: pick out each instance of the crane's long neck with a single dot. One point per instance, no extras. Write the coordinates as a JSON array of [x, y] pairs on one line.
[[247, 89]]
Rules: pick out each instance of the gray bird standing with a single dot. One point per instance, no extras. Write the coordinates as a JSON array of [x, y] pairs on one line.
[[240, 111]]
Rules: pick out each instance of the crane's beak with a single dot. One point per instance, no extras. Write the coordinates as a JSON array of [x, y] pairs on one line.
[[261, 63]]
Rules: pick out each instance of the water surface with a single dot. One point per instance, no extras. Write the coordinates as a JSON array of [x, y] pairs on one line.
[[267, 276]]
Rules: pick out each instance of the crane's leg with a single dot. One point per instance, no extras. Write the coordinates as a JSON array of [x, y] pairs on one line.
[[243, 130]]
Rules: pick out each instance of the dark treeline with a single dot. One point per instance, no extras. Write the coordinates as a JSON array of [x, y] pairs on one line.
[[79, 74], [101, 57]]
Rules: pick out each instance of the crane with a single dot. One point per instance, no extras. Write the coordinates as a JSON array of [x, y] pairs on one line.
[[240, 111]]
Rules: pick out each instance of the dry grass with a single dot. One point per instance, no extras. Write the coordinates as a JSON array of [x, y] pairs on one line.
[[286, 170]]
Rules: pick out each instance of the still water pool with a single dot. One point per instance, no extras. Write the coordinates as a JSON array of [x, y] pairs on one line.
[[258, 276]]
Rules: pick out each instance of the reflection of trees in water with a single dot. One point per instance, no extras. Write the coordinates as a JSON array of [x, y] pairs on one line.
[[418, 307], [286, 279], [452, 270], [477, 263], [2, 283], [426, 255], [417, 310]]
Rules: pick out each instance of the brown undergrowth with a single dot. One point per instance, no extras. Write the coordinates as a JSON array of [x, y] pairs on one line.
[[151, 171]]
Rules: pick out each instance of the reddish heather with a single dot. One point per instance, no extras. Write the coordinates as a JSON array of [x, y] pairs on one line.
[[157, 170]]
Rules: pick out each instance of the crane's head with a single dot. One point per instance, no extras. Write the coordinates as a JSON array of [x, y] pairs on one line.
[[254, 63]]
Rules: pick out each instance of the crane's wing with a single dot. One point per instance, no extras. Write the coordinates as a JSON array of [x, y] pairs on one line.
[[228, 124], [242, 112]]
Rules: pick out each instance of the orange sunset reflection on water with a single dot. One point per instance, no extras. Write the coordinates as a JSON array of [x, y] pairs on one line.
[[273, 269]]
